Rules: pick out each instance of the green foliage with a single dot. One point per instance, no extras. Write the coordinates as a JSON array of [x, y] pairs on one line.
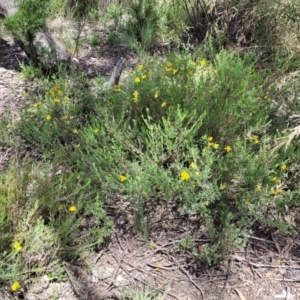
[[29, 19], [142, 26], [173, 133], [59, 112], [46, 217], [30, 72]]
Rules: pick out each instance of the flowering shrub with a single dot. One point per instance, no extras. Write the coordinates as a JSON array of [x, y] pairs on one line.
[[185, 130]]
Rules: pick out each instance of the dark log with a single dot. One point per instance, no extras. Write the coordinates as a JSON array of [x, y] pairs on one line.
[[41, 48]]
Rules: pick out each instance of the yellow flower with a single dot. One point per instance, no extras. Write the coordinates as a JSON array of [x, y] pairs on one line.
[[266, 96], [37, 104], [96, 130], [135, 94], [259, 187], [272, 192], [144, 76], [275, 179], [15, 286], [169, 64], [193, 166], [184, 176], [122, 178], [209, 144], [223, 187], [25, 94], [65, 117], [139, 67], [202, 63], [283, 167], [175, 71], [76, 146], [164, 104], [75, 131], [117, 88], [169, 69], [197, 173], [255, 139], [216, 146], [137, 80], [156, 95], [279, 191], [66, 98], [17, 246], [210, 138], [72, 208], [60, 207], [227, 149], [56, 100], [48, 117]]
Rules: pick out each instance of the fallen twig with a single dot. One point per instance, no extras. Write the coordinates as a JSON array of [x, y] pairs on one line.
[[188, 275]]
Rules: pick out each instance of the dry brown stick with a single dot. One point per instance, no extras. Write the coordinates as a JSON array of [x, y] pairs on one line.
[[276, 244], [161, 267], [70, 276], [227, 279], [262, 265], [188, 275]]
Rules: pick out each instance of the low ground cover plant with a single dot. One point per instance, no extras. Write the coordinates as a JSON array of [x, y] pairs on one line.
[[202, 130], [187, 130]]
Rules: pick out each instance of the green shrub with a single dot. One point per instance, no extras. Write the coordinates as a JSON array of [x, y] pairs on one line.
[[47, 215], [141, 27], [29, 19], [185, 130], [56, 115]]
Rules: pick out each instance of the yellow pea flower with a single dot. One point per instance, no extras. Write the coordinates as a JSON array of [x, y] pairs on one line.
[[283, 167], [72, 208], [15, 286], [122, 178], [223, 187], [139, 67], [193, 166], [202, 63], [17, 246], [184, 176], [227, 149]]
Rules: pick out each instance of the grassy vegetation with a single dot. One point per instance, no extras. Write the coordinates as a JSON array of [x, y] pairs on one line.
[[207, 127]]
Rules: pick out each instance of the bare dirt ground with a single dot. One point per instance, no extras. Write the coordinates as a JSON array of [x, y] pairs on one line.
[[267, 268]]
